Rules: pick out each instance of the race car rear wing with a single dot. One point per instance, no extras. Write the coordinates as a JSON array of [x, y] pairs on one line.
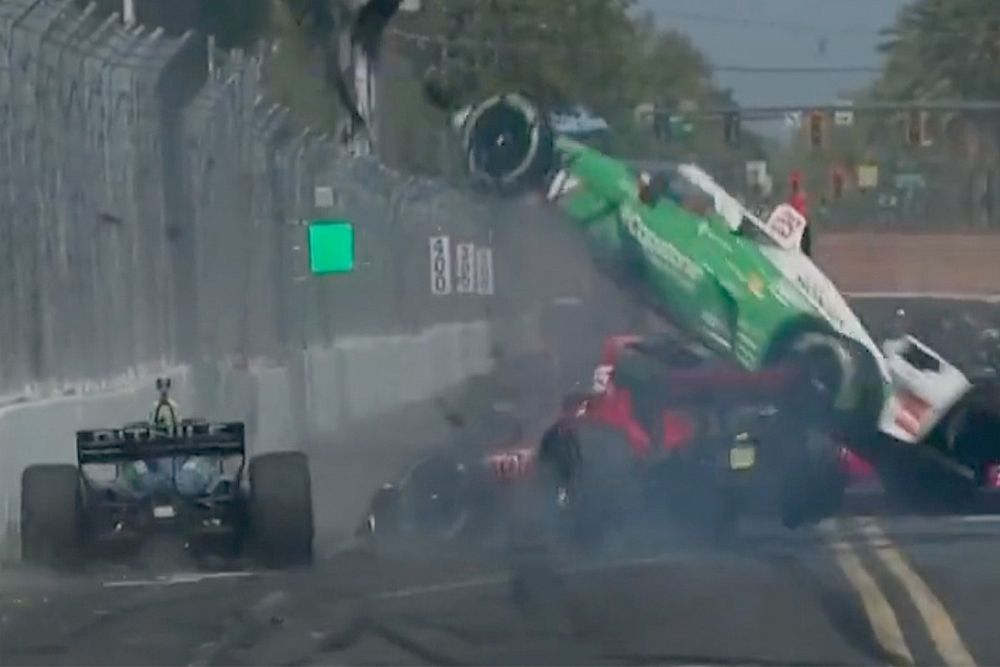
[[133, 443]]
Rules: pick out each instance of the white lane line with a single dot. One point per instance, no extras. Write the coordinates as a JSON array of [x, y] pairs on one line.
[[444, 587], [936, 618], [881, 617], [178, 578], [977, 518], [497, 579]]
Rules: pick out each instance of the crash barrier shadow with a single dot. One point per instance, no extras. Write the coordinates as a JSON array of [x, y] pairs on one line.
[[320, 391]]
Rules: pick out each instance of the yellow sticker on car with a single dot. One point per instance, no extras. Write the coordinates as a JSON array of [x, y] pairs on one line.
[[742, 457]]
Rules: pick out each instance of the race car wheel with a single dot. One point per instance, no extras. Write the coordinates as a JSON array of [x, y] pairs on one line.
[[383, 517], [280, 509], [603, 488], [821, 360], [813, 488], [432, 495], [841, 387], [51, 515]]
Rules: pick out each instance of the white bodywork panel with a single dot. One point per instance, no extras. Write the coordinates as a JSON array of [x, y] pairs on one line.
[[925, 387], [919, 397]]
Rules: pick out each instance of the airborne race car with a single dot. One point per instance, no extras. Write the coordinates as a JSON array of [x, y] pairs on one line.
[[71, 513], [745, 288]]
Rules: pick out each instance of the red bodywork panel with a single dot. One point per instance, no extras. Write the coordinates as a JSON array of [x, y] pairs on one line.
[[510, 465], [612, 406], [857, 468]]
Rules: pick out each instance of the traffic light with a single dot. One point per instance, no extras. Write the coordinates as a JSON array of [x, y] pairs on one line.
[[916, 128], [816, 129], [913, 128], [663, 128], [732, 124], [658, 125], [795, 181], [837, 183]]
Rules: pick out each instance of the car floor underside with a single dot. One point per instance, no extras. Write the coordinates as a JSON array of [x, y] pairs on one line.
[[118, 520]]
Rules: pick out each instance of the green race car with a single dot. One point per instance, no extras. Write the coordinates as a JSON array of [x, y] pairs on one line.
[[743, 286]]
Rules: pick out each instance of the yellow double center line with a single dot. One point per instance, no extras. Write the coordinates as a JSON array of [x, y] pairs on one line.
[[881, 616], [883, 620]]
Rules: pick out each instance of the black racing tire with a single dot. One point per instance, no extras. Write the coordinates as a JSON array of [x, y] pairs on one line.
[[605, 490], [280, 509], [840, 385], [384, 516], [813, 488], [433, 495], [52, 516], [724, 523], [816, 357]]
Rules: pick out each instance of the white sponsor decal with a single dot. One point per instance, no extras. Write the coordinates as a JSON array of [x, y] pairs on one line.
[[786, 226], [602, 377], [562, 184], [662, 252]]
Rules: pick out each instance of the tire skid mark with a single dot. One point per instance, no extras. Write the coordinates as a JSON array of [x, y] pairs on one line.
[[104, 617], [844, 612], [365, 625], [242, 629]]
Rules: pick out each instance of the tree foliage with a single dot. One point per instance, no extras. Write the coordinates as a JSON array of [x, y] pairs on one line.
[[590, 52], [937, 50], [598, 54], [944, 48]]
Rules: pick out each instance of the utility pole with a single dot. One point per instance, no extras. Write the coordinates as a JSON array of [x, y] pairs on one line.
[[128, 12]]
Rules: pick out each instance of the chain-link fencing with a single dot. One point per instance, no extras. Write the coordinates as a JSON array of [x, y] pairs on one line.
[[151, 210]]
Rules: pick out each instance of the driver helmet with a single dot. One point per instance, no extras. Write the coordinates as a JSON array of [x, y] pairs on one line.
[[163, 387]]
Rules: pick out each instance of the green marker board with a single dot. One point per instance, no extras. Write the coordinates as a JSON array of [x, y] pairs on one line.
[[331, 246]]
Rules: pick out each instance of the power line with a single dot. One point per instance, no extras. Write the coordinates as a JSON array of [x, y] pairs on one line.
[[439, 40], [720, 20], [833, 69]]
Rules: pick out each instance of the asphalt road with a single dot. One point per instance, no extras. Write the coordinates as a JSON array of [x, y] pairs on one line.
[[854, 591]]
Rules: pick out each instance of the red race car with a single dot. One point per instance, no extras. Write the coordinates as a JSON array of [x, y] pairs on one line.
[[667, 426]]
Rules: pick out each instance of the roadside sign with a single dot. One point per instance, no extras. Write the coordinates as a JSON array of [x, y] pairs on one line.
[[867, 176], [844, 117], [323, 197], [756, 171], [440, 256], [465, 259], [767, 185], [484, 271], [331, 246]]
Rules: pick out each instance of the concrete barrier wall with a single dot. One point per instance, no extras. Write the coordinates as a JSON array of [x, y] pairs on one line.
[[915, 263], [318, 393]]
